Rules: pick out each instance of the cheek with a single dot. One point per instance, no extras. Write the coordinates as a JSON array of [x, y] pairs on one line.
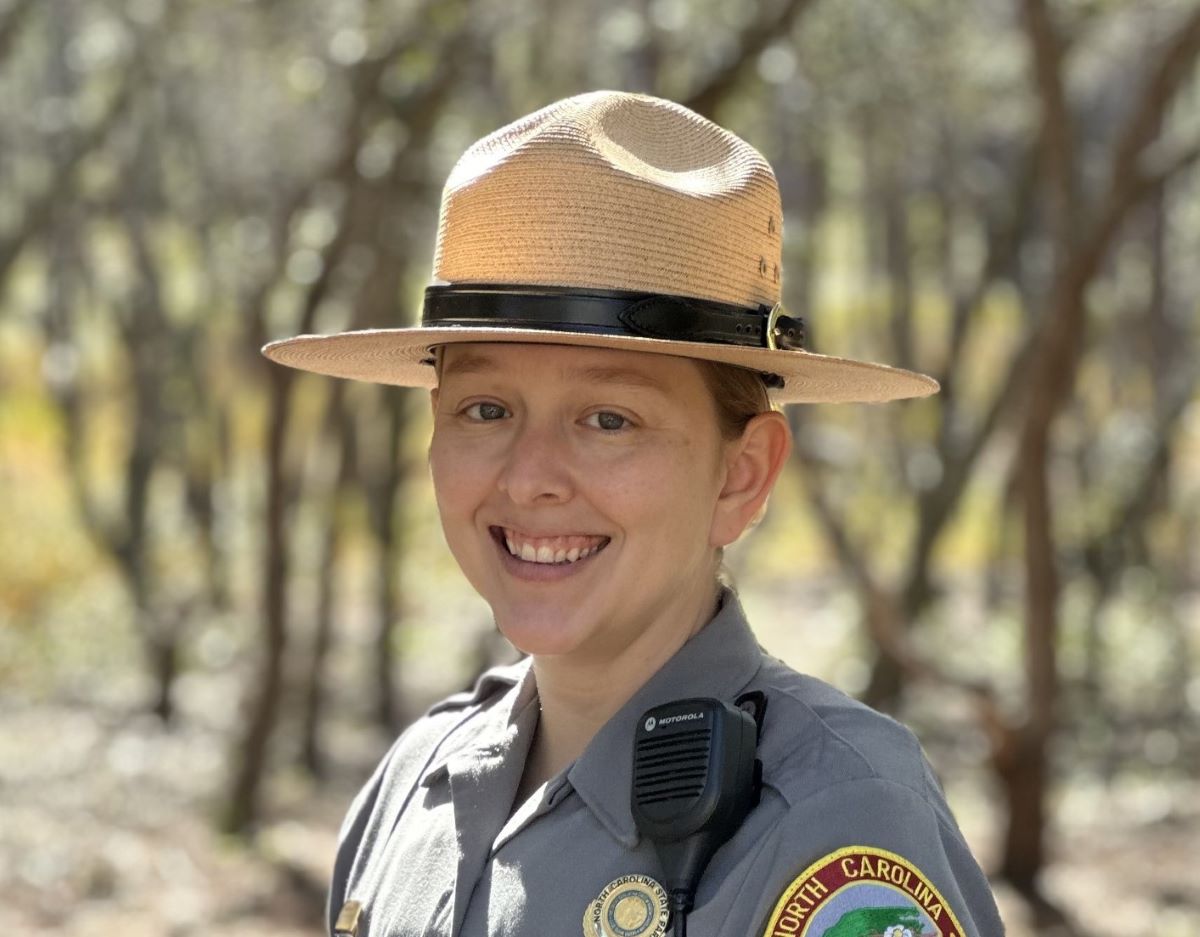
[[670, 494], [456, 476]]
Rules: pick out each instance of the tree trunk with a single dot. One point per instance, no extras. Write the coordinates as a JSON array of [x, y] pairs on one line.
[[886, 682], [251, 756], [1026, 777], [387, 698], [164, 665], [1023, 775], [311, 753]]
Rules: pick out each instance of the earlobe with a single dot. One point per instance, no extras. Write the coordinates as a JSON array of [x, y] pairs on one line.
[[754, 463]]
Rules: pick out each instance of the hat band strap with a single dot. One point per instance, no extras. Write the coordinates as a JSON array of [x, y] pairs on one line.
[[610, 312]]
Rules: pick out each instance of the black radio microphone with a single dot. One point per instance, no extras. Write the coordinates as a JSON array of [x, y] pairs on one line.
[[695, 778]]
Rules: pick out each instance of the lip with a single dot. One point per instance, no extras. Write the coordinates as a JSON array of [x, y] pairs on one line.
[[540, 572]]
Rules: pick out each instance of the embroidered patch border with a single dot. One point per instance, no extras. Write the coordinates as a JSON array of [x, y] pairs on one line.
[[857, 867]]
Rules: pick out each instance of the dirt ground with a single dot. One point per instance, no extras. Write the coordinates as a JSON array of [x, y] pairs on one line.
[[105, 828]]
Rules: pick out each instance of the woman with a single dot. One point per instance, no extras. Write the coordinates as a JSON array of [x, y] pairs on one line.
[[603, 344]]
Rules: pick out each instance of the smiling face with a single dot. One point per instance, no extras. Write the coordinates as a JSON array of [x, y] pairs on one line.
[[579, 491]]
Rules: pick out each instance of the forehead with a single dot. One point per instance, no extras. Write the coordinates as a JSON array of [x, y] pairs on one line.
[[665, 373]]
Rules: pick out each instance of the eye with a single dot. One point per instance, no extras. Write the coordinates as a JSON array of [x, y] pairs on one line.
[[607, 421], [485, 412]]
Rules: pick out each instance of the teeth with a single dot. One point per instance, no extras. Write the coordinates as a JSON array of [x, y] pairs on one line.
[[552, 552]]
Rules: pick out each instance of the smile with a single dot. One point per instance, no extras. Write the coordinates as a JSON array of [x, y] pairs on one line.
[[558, 550]]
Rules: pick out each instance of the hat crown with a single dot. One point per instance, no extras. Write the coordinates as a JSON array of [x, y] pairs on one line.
[[611, 190], [583, 224]]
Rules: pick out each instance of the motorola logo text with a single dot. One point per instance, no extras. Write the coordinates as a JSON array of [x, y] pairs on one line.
[[683, 717]]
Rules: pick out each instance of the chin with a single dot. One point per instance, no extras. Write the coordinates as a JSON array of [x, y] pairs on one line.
[[540, 633]]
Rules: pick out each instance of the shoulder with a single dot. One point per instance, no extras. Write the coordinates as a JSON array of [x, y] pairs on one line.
[[815, 735], [488, 687], [863, 816], [443, 729]]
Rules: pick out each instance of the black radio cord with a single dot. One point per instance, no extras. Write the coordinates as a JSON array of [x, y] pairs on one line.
[[681, 904]]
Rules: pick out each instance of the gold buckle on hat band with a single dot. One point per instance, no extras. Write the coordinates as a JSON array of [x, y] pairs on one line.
[[784, 332], [773, 326]]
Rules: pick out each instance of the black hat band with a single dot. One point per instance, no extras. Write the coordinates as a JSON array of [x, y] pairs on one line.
[[610, 312]]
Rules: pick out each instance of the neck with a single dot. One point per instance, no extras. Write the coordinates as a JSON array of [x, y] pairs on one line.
[[579, 694]]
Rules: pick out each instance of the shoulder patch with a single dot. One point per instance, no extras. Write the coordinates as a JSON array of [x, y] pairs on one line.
[[861, 891]]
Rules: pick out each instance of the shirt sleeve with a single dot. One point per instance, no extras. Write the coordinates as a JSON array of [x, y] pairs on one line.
[[873, 853]]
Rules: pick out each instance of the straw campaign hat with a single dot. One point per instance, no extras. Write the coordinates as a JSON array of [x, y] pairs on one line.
[[610, 220]]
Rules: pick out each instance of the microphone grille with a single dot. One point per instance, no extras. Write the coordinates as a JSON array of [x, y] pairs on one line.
[[671, 766]]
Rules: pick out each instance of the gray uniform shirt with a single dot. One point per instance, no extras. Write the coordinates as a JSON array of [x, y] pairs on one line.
[[429, 848]]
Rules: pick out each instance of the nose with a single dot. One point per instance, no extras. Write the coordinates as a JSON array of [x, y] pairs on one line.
[[537, 468]]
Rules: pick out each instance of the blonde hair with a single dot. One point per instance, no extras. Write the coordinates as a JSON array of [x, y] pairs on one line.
[[739, 395]]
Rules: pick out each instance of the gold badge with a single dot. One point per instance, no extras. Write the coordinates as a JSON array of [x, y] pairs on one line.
[[629, 906]]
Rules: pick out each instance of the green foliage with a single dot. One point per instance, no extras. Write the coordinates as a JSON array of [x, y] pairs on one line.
[[873, 922]]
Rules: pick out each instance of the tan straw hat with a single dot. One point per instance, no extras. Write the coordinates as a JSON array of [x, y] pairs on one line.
[[610, 220]]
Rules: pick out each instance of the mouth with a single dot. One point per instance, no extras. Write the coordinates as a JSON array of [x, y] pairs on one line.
[[563, 550]]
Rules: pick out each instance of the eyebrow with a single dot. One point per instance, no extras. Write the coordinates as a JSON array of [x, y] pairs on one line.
[[626, 376], [599, 374], [469, 364]]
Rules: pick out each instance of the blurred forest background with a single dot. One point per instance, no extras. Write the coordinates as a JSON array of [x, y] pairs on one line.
[[223, 586]]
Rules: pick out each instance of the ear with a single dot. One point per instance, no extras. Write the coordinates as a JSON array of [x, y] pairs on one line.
[[752, 464]]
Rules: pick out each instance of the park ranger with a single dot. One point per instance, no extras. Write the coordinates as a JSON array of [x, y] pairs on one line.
[[607, 356]]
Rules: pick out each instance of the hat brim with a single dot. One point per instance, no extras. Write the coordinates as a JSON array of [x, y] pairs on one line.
[[401, 357]]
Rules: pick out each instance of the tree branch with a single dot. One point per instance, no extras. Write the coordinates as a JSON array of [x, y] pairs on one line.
[[37, 214], [849, 554], [1057, 134], [708, 96], [1174, 64], [11, 25], [1128, 185], [1132, 513]]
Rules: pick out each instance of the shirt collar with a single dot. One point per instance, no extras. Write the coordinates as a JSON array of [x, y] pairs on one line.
[[719, 661], [479, 735]]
